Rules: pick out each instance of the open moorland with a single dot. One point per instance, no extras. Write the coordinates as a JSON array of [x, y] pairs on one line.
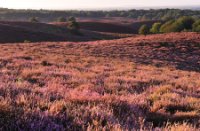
[[21, 31], [111, 25], [135, 83]]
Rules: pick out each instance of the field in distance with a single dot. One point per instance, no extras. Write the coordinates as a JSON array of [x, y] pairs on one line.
[[142, 82], [20, 31]]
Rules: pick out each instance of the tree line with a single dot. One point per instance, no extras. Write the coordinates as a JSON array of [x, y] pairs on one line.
[[184, 23], [51, 15]]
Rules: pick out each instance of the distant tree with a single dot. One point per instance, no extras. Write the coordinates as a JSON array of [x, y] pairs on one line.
[[73, 25], [196, 26], [62, 19], [71, 19], [155, 28], [186, 22], [176, 27], [144, 30], [144, 17], [165, 18], [122, 14], [166, 26], [33, 19], [107, 15], [158, 14]]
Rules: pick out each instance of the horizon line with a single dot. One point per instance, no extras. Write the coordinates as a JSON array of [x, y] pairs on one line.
[[190, 7]]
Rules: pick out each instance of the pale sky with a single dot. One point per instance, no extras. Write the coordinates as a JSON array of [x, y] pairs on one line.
[[92, 4]]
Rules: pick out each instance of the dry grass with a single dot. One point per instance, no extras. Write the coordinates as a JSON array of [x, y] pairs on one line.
[[103, 85]]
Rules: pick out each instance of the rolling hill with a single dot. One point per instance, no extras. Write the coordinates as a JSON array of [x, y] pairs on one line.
[[13, 31], [135, 83], [110, 25], [19, 34]]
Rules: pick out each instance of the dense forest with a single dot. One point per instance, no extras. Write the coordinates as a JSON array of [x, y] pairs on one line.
[[47, 15]]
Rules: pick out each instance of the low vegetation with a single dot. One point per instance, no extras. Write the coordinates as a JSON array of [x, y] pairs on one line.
[[182, 24], [73, 25], [33, 19], [144, 30], [155, 29], [136, 83], [196, 26], [50, 16], [62, 19]]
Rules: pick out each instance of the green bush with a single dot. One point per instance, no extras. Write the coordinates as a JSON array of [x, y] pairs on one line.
[[144, 30], [182, 24], [176, 27], [165, 27], [155, 28], [196, 26], [186, 21], [73, 25], [172, 26]]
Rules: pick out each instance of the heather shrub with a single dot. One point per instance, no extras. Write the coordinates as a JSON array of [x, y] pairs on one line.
[[180, 127], [104, 85], [46, 63]]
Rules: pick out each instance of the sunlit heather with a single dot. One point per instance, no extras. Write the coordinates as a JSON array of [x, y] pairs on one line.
[[106, 65]]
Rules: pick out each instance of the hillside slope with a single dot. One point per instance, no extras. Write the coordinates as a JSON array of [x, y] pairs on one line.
[[136, 83], [17, 34], [180, 50], [111, 26], [18, 31]]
